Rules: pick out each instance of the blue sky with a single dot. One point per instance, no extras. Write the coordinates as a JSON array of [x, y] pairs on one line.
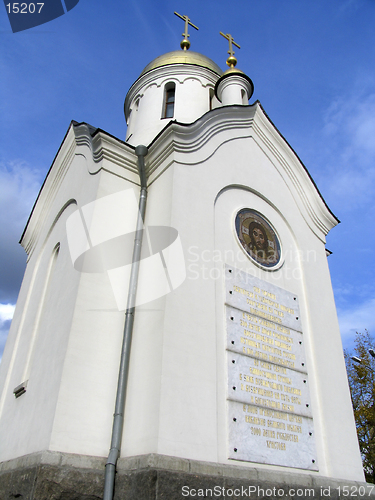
[[313, 66]]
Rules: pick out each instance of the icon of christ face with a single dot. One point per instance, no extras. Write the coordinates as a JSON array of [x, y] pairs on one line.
[[257, 238]]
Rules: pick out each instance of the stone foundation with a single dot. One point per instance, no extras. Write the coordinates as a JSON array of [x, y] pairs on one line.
[[58, 476]]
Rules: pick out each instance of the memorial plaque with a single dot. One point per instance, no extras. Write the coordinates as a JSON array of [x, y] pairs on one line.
[[262, 299], [254, 336], [269, 408], [268, 385], [268, 436]]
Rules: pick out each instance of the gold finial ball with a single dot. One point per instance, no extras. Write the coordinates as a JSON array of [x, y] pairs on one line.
[[231, 61], [185, 44]]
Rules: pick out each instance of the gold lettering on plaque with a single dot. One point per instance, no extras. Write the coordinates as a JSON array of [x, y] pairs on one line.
[[270, 386], [255, 420], [276, 446]]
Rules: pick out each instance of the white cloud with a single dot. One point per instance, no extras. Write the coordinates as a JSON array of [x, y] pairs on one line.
[[6, 315], [19, 186], [6, 312], [356, 319], [348, 148], [350, 120], [353, 188], [350, 5]]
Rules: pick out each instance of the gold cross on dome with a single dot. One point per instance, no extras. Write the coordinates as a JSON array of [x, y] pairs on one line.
[[231, 61], [185, 44]]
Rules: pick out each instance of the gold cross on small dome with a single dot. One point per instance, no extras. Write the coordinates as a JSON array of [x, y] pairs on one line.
[[231, 61]]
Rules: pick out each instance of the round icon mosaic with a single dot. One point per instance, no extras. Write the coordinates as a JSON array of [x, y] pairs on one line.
[[258, 238]]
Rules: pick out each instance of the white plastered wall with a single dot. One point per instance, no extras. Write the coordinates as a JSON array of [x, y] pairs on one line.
[[177, 384], [39, 333], [192, 417], [67, 344]]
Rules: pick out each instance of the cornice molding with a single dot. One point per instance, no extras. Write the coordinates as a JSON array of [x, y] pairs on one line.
[[47, 193], [101, 151], [189, 144], [301, 180], [231, 123]]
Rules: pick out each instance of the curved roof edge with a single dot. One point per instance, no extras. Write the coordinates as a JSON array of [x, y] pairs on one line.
[[183, 57], [173, 126], [93, 131], [299, 159]]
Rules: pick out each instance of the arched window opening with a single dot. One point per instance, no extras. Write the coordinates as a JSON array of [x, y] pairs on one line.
[[212, 95], [169, 98], [21, 389], [128, 120], [243, 97]]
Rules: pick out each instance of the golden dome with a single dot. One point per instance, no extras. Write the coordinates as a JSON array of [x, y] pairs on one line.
[[183, 57]]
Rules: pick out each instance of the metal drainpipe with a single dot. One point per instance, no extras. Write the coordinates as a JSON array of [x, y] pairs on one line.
[[118, 417]]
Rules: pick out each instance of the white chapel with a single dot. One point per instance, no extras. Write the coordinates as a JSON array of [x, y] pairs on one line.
[[232, 371]]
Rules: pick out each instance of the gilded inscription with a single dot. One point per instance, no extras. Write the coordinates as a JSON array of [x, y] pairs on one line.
[[267, 373]]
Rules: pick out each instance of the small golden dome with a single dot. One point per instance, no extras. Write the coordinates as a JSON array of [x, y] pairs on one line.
[[233, 70], [183, 57]]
